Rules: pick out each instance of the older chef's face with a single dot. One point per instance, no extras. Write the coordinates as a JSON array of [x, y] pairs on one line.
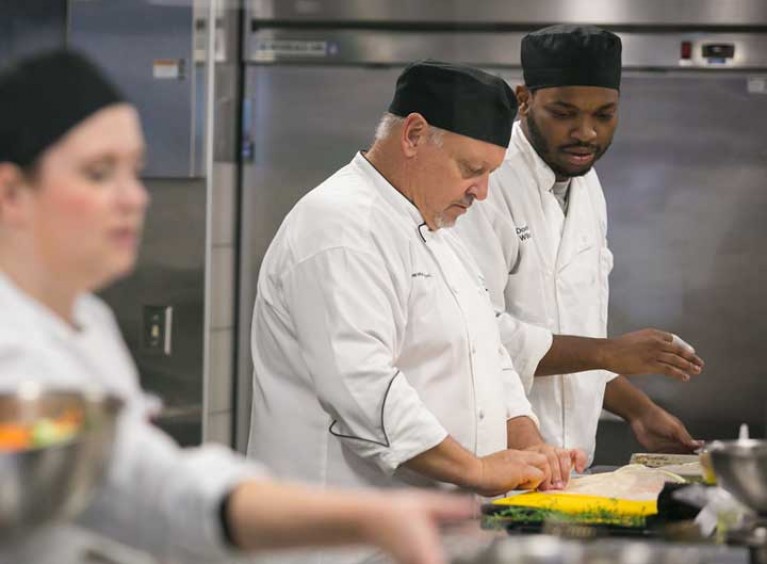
[[570, 127], [84, 207], [448, 177]]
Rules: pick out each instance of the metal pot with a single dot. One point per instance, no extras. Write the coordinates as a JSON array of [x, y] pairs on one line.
[[741, 469], [39, 485]]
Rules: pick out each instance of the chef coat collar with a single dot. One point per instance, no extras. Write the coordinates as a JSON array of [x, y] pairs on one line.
[[388, 192], [544, 176], [44, 317]]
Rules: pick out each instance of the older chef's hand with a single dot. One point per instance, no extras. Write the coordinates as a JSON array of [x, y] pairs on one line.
[[508, 470], [659, 431], [561, 461], [651, 351]]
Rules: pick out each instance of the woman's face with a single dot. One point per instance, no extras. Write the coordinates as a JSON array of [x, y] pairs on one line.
[[86, 204]]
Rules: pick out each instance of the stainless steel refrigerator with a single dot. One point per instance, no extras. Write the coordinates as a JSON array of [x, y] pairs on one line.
[[176, 310]]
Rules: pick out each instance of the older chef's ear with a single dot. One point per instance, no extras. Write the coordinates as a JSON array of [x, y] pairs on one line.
[[414, 133], [12, 183], [524, 96]]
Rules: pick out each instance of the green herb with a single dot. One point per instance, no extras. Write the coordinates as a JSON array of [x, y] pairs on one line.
[[535, 515]]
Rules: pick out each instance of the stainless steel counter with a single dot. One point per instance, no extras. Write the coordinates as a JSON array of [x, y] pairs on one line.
[[540, 549], [69, 544], [467, 545]]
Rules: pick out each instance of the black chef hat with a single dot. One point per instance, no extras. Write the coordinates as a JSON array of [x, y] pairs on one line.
[[457, 98], [565, 55], [44, 96]]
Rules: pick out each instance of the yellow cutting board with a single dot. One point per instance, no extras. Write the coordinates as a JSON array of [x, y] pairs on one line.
[[579, 504]]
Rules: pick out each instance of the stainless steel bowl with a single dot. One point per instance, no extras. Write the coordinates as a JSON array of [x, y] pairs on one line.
[[39, 485], [741, 469]]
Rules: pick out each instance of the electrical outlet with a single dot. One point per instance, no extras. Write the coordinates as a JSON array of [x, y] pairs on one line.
[[157, 329]]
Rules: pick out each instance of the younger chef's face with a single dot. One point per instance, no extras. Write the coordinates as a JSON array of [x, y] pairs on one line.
[[448, 178], [85, 206], [570, 127]]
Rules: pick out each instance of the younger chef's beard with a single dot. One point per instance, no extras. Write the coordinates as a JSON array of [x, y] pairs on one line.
[[546, 152]]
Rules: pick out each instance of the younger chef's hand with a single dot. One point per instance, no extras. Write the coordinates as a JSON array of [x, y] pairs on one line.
[[651, 351], [561, 461], [659, 431]]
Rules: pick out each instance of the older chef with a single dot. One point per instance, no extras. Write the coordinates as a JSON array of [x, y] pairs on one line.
[[71, 211], [377, 356], [540, 240]]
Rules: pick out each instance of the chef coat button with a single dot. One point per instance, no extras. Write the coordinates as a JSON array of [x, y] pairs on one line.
[[473, 349], [481, 414]]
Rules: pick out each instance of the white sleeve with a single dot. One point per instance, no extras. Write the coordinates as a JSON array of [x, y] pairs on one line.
[[605, 256], [517, 404], [156, 497], [349, 320], [491, 236], [526, 343], [164, 499]]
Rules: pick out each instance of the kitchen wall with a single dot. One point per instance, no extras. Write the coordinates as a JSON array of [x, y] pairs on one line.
[[27, 26]]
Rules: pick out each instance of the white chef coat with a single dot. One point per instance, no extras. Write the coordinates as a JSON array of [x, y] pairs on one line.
[[545, 286], [157, 497], [373, 340]]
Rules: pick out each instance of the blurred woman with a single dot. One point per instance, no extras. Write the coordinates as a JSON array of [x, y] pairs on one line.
[[71, 213]]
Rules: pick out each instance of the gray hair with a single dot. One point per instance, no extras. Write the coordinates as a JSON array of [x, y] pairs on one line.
[[389, 121]]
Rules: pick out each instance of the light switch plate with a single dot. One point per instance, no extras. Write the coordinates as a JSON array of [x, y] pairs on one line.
[[157, 329]]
